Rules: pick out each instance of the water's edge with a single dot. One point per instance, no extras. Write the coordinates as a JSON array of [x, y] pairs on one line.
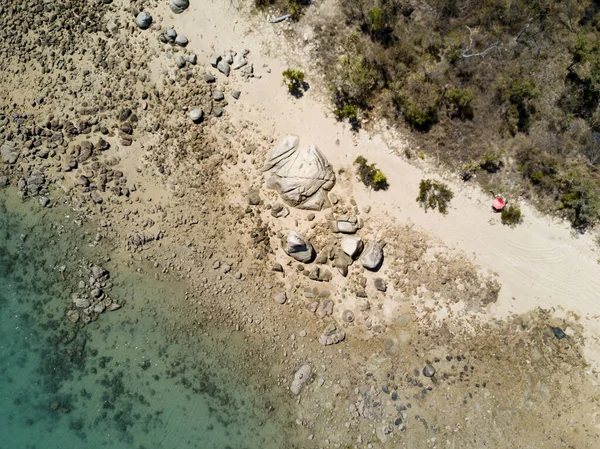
[[125, 380]]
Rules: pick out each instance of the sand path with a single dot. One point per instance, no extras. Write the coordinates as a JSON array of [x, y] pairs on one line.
[[539, 263]]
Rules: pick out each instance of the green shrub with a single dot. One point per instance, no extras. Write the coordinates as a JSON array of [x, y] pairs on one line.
[[518, 91], [357, 81], [511, 215], [459, 100], [294, 80], [434, 195], [370, 175], [580, 200], [347, 112], [418, 99], [491, 161]]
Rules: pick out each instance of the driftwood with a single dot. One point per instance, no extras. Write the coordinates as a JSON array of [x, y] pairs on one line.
[[280, 19]]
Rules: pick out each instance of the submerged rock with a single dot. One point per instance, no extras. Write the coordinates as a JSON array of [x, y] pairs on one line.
[[302, 176], [300, 378], [298, 247], [9, 154], [332, 336]]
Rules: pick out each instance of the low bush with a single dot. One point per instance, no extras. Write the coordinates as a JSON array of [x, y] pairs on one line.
[[294, 80], [370, 175], [459, 103], [434, 195], [347, 112], [511, 215]]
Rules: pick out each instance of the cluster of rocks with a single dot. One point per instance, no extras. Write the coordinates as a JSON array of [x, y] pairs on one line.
[[352, 248], [331, 335], [170, 36], [233, 60], [139, 239], [92, 298]]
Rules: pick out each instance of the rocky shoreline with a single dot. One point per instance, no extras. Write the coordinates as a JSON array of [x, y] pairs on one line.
[[378, 330]]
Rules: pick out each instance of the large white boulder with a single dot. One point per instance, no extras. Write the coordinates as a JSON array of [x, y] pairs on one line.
[[301, 175]]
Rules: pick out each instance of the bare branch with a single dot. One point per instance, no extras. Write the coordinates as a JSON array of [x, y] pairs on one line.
[[465, 53]]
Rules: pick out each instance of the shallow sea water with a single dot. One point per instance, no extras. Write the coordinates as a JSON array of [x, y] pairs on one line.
[[124, 381]]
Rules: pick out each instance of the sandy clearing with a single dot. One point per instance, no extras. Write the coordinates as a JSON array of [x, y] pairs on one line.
[[539, 264]]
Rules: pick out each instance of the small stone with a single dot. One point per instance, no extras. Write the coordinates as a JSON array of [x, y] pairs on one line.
[[298, 247], [180, 61], [280, 298], [223, 67], [171, 34], [181, 40], [380, 285], [348, 316], [143, 20], [238, 62], [214, 60], [428, 371], [236, 94], [192, 59], [73, 316], [352, 246], [217, 112], [196, 115], [209, 78], [277, 267], [372, 256], [96, 198], [178, 6], [218, 95]]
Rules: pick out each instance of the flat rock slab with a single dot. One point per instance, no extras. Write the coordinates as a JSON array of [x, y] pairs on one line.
[[302, 176]]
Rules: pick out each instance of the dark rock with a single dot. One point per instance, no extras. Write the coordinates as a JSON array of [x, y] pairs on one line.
[[380, 285], [125, 114], [253, 197], [428, 371]]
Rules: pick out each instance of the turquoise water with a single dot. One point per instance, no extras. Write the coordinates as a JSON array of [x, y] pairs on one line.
[[127, 380]]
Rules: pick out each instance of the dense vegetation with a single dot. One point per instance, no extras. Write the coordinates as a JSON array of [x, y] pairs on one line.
[[505, 89]]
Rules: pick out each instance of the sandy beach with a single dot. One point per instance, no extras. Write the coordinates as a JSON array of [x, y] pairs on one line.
[[449, 342]]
